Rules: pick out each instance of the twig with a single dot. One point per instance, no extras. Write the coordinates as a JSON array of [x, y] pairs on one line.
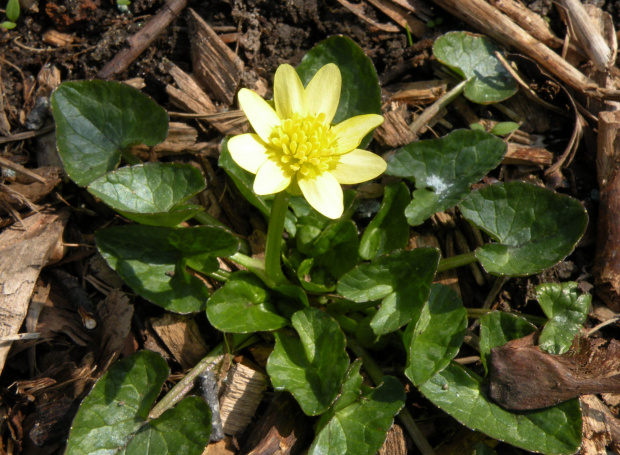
[[436, 107]]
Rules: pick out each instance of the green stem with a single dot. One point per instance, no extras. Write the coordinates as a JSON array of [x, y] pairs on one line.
[[256, 266], [404, 416], [456, 261], [176, 394], [219, 275], [476, 313], [273, 248]]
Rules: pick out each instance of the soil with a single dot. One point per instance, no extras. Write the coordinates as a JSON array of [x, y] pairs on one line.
[[269, 33]]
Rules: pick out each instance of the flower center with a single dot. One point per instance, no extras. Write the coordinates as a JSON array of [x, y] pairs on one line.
[[303, 144]]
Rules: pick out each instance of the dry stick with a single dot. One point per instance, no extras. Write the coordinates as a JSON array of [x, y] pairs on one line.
[[425, 117], [492, 22], [143, 39]]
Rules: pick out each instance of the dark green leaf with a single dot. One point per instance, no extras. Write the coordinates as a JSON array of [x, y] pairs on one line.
[[555, 430], [473, 56], [244, 181], [388, 230], [152, 261], [152, 193], [361, 427], [535, 227], [313, 366], [567, 310], [498, 328], [402, 280], [434, 336], [444, 169], [113, 418], [244, 305], [96, 121], [360, 92]]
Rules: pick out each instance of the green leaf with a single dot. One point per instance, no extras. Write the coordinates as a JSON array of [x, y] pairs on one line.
[[402, 280], [505, 128], [444, 169], [97, 121], [535, 227], [498, 328], [244, 305], [567, 310], [351, 387], [555, 430], [113, 418], [388, 230], [12, 10], [473, 56], [360, 92], [313, 366], [8, 25], [244, 181], [361, 427], [152, 261], [152, 193], [434, 336]]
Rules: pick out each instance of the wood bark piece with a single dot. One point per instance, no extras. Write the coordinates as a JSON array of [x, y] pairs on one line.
[[115, 313], [181, 138], [400, 15], [395, 443], [520, 155], [23, 252], [358, 10], [216, 66], [394, 131], [284, 429], [492, 22], [243, 394], [529, 21], [181, 336], [139, 42], [600, 427]]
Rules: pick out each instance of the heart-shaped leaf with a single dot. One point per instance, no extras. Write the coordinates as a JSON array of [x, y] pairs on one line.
[[244, 181], [444, 169], [113, 418], [567, 310], [360, 428], [152, 261], [458, 391], [388, 230], [360, 92], [535, 227], [498, 328], [402, 280], [313, 366], [244, 305], [434, 336], [473, 56], [152, 193], [97, 121]]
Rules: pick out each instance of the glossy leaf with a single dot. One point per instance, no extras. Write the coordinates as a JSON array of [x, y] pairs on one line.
[[96, 121], [313, 366], [389, 229], [434, 336], [243, 305], [360, 92], [401, 280], [498, 328], [361, 427], [534, 227], [152, 193], [458, 391], [444, 169], [113, 418], [244, 181], [473, 56], [567, 309], [152, 261]]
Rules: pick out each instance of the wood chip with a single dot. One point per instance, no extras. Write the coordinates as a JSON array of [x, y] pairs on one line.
[[358, 10], [215, 66], [521, 155], [181, 138], [394, 131], [422, 92], [244, 392], [401, 16], [32, 244], [394, 442], [182, 337]]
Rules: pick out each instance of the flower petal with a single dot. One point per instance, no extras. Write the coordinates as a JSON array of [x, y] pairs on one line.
[[358, 166], [248, 151], [261, 115], [289, 95], [324, 92], [270, 179], [324, 194], [350, 133]]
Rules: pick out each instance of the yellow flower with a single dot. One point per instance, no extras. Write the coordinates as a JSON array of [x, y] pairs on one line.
[[297, 145]]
